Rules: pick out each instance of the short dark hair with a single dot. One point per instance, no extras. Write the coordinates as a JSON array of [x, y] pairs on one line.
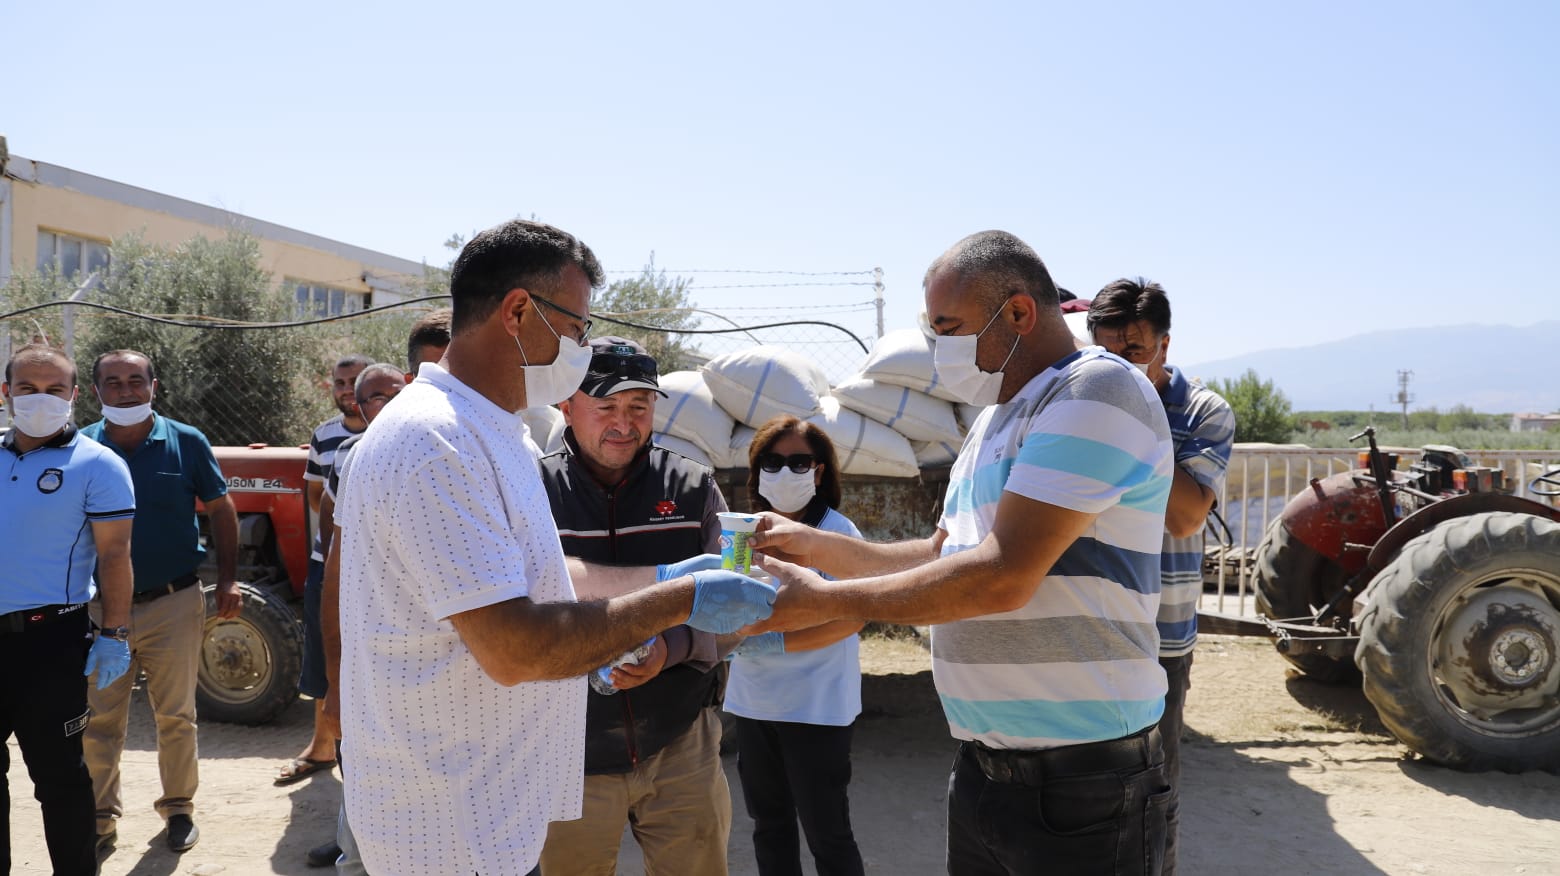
[[354, 360], [1000, 266], [374, 369], [817, 441], [37, 353], [1129, 300], [517, 254], [432, 329], [97, 364]]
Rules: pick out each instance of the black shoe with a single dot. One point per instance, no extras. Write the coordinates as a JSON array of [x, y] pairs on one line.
[[182, 833], [105, 841], [325, 855]]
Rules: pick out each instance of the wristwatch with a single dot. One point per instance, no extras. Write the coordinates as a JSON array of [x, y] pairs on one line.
[[120, 633]]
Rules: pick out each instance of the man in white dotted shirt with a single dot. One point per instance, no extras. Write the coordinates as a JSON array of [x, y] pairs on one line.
[[463, 648]]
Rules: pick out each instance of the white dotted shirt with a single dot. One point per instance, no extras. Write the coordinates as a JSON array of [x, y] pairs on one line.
[[446, 770]]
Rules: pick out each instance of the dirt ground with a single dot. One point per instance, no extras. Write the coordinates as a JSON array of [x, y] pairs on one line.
[[1279, 774]]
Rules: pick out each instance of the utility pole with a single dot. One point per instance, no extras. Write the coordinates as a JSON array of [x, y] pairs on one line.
[[1403, 398], [877, 282]]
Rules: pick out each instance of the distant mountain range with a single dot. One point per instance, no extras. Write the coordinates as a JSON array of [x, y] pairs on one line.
[[1491, 368]]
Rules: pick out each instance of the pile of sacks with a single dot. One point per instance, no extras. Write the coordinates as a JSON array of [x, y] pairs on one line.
[[891, 419]]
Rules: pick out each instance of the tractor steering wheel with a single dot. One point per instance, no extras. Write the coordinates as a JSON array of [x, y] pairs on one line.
[[1546, 484]]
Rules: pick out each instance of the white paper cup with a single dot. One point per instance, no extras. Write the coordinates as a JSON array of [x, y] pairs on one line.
[[735, 530]]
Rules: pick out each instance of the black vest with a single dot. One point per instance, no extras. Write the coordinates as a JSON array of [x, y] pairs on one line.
[[654, 516]]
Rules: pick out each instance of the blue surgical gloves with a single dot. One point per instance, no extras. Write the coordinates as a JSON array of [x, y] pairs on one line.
[[724, 602], [110, 658], [763, 643], [702, 563]]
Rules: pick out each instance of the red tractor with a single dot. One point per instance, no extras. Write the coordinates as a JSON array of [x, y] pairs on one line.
[[1438, 586], [249, 665]]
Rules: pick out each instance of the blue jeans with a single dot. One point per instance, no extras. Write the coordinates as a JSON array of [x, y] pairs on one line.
[[1045, 817], [351, 861]]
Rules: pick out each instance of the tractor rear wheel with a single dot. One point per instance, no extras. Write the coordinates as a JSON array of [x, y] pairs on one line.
[[1459, 643], [1291, 581], [249, 665]]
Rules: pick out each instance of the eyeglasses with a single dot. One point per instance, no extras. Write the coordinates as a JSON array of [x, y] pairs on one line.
[[629, 364], [801, 463], [585, 324]]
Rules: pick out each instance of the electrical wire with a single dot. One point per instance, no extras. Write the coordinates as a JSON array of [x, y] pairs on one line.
[[255, 326]]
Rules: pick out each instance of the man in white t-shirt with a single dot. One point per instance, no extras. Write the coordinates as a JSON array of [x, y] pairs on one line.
[[463, 648]]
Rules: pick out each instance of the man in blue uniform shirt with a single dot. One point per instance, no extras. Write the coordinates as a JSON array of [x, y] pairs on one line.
[[68, 504], [172, 465]]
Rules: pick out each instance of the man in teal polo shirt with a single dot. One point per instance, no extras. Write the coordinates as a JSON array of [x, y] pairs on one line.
[[172, 466], [65, 505]]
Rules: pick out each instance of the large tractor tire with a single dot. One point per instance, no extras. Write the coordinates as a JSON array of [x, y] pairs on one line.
[[249, 665], [1459, 643], [1292, 581]]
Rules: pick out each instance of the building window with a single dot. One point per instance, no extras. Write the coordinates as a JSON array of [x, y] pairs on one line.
[[318, 301], [68, 256]]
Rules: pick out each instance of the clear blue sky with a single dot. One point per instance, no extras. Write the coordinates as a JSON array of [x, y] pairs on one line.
[[1292, 173]]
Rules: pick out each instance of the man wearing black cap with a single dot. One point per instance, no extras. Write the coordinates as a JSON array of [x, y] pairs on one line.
[[652, 750]]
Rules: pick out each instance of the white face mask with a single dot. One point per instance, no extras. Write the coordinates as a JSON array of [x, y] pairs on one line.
[[39, 415], [1142, 366], [552, 383], [787, 491], [131, 416], [953, 357]]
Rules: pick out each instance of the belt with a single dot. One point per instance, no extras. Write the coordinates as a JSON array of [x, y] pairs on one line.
[[183, 582], [42, 616], [1032, 767]]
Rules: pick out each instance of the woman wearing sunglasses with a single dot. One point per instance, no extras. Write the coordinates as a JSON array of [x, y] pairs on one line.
[[796, 695]]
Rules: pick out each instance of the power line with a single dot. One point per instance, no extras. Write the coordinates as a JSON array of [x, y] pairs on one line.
[[696, 286], [742, 271]]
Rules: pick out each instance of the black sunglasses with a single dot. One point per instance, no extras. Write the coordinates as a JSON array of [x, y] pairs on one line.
[[619, 364], [800, 463], [585, 324]]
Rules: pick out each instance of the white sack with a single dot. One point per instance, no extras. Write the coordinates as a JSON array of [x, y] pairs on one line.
[[737, 448], [760, 383], [913, 414], [966, 415], [934, 454], [689, 412], [863, 445], [904, 358], [686, 448], [546, 425]]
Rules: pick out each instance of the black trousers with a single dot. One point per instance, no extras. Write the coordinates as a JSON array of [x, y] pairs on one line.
[[43, 700], [1079, 821], [794, 772]]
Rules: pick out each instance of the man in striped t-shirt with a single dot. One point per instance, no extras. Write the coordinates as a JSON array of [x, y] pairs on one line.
[[320, 753], [1131, 318], [1041, 582]]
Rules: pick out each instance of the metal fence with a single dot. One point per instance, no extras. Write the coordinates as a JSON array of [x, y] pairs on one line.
[[1263, 478]]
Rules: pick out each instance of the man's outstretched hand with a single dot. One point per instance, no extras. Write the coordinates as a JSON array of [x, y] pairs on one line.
[[724, 602], [785, 539]]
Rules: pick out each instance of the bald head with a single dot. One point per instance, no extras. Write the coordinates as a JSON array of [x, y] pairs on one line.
[[994, 266]]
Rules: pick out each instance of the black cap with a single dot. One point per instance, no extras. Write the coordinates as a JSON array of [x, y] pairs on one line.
[[619, 364]]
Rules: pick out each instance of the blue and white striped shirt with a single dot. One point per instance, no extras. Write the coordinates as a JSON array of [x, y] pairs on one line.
[[1202, 427], [1079, 662]]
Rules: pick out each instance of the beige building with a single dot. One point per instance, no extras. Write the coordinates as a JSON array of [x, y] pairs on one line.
[[52, 216]]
